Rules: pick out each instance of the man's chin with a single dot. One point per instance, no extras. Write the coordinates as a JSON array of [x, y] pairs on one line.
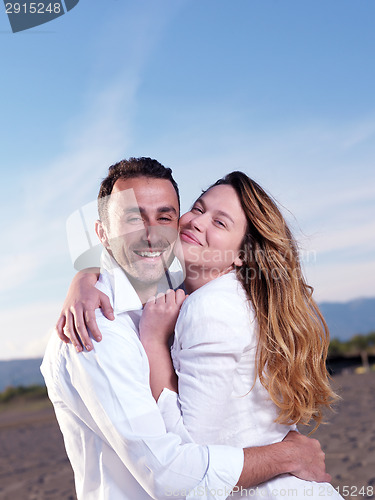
[[148, 273]]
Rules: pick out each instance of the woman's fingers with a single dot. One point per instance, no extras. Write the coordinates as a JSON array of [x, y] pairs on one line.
[[59, 328], [80, 323], [170, 297], [107, 309], [180, 297], [90, 320], [69, 332]]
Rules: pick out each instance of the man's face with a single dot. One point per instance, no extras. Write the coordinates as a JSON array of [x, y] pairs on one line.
[[142, 227]]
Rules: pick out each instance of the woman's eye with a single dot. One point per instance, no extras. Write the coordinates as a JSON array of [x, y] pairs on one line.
[[197, 209], [219, 223]]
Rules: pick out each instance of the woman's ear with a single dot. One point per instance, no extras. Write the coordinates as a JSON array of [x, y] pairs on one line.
[[238, 261], [102, 233]]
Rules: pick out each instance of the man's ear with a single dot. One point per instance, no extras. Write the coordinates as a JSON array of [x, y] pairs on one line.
[[102, 233]]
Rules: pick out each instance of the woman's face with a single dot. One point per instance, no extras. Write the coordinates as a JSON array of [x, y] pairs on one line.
[[212, 231]]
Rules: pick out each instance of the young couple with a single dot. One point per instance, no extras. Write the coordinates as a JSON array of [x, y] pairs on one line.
[[248, 352]]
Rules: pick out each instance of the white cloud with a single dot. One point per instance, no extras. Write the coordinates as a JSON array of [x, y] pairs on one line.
[[98, 135], [341, 281], [351, 238], [16, 270], [322, 172], [24, 330]]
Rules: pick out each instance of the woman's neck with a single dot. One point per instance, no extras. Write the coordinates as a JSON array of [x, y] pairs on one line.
[[199, 276]]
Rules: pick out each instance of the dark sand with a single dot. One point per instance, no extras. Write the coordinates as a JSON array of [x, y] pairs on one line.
[[33, 462], [34, 466], [349, 438]]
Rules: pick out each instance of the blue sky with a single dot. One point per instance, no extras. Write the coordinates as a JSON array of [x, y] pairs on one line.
[[283, 90]]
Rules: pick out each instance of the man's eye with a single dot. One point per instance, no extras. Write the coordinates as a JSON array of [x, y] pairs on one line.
[[134, 220], [165, 219]]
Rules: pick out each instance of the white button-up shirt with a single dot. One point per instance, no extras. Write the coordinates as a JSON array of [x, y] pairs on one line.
[[222, 402], [114, 433]]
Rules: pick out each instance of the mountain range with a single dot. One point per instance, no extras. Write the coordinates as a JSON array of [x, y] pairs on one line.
[[20, 372], [344, 320]]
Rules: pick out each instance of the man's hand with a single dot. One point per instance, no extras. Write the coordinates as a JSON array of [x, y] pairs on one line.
[[308, 456], [78, 312], [296, 454]]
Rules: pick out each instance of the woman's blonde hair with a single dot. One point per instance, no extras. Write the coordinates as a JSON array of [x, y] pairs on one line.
[[293, 336]]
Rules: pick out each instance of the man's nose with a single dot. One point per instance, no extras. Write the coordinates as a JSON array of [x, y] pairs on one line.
[[153, 233]]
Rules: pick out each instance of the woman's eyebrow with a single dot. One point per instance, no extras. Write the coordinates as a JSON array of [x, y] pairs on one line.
[[224, 214], [218, 212]]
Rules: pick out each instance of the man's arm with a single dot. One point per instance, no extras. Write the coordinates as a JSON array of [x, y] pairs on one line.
[[296, 454], [111, 383]]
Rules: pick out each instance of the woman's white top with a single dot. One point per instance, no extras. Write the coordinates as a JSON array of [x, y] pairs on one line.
[[221, 399]]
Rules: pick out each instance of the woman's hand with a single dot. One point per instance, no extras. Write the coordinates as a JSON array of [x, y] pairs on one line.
[[159, 316], [156, 326], [78, 312]]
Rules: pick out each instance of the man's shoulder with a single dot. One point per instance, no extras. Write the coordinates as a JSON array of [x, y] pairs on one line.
[[52, 356], [120, 344]]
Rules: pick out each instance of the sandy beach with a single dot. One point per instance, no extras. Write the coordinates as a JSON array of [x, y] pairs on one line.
[[34, 466], [348, 438]]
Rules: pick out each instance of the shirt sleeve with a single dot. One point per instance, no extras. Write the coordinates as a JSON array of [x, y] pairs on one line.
[[113, 383]]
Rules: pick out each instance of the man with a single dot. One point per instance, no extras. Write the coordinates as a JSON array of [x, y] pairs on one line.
[[114, 433]]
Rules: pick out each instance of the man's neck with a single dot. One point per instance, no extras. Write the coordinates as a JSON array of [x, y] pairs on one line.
[[147, 290], [144, 290]]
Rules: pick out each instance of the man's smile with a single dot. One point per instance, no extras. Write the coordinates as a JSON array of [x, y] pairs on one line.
[[149, 254]]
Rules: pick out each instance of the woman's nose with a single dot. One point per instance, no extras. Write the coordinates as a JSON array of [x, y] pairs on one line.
[[198, 222]]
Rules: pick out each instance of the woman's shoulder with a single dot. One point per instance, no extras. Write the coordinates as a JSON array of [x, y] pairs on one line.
[[222, 296], [218, 312]]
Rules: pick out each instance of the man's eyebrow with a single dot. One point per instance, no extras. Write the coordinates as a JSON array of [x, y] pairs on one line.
[[141, 210], [217, 212], [167, 209], [132, 210]]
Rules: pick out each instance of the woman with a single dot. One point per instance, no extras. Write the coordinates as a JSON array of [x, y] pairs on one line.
[[250, 343]]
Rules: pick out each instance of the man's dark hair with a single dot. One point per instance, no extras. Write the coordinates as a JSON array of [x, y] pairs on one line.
[[130, 169]]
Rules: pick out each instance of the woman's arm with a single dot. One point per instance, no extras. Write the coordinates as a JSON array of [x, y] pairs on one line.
[[155, 329], [78, 312]]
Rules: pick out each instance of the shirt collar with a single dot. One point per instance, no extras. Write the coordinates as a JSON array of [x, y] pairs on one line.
[[125, 298]]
